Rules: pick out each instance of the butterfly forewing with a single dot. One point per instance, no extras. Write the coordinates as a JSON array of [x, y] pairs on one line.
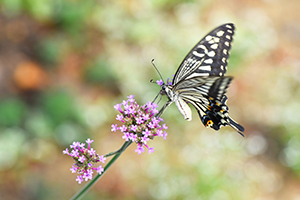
[[209, 56], [219, 87]]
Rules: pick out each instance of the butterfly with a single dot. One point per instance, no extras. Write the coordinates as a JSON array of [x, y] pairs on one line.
[[200, 81]]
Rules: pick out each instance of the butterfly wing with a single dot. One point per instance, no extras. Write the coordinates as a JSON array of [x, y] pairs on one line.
[[239, 128], [200, 81], [209, 56], [207, 95], [214, 87]]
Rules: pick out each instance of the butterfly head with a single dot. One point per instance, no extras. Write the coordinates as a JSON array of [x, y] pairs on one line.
[[163, 90], [165, 87]]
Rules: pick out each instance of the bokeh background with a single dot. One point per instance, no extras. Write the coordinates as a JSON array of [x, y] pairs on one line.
[[65, 63]]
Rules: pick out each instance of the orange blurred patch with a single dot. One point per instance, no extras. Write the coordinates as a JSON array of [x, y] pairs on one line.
[[29, 76]]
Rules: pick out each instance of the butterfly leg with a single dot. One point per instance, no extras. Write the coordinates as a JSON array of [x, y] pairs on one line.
[[156, 98], [163, 109]]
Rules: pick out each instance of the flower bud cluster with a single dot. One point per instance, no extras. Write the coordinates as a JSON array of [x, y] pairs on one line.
[[85, 160], [139, 123]]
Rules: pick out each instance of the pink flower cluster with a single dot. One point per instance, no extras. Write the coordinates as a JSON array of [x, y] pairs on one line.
[[85, 160], [139, 123]]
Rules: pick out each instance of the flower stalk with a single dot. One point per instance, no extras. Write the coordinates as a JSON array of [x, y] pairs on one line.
[[83, 190]]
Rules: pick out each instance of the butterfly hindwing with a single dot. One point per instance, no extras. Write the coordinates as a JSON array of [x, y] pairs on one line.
[[209, 56], [211, 86], [213, 113]]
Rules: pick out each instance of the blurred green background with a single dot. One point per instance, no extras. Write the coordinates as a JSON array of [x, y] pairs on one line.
[[65, 63]]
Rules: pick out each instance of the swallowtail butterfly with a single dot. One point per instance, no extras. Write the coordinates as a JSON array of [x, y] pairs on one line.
[[200, 81]]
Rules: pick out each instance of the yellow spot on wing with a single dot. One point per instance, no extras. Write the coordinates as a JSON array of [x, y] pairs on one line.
[[209, 123]]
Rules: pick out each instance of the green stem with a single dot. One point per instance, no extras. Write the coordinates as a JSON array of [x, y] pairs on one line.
[[81, 192], [118, 151]]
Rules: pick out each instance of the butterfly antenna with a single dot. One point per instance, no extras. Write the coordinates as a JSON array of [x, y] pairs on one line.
[[152, 61]]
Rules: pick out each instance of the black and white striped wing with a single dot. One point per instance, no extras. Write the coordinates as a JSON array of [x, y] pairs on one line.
[[207, 95], [213, 87], [209, 56]]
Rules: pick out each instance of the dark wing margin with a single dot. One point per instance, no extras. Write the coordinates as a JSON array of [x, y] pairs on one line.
[[209, 56], [239, 128], [218, 89]]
